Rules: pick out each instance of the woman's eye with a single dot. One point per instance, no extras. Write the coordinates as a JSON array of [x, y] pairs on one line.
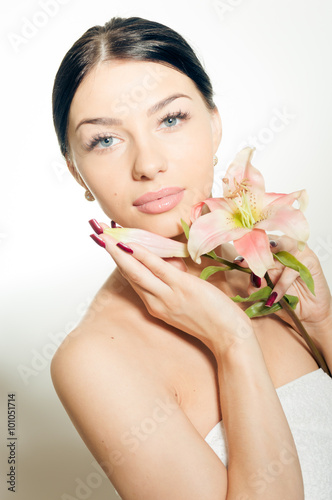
[[170, 121], [101, 142], [107, 142], [173, 119]]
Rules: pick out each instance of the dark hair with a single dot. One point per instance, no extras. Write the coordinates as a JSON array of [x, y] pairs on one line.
[[122, 38]]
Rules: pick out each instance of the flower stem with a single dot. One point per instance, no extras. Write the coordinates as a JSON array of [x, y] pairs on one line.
[[228, 263]]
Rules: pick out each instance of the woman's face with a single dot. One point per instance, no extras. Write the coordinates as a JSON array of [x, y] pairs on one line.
[[142, 139]]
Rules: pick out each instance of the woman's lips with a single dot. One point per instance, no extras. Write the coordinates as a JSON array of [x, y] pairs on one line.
[[159, 201]]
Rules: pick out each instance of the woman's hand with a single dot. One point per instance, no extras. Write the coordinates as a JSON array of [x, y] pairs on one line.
[[313, 311], [180, 299]]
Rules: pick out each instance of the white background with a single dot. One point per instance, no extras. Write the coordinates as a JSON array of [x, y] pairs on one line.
[[264, 57]]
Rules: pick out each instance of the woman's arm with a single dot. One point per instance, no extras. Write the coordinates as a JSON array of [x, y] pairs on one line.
[[263, 461], [141, 437], [131, 422], [257, 430]]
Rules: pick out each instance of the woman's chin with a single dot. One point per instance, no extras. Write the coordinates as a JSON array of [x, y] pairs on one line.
[[175, 232], [167, 230], [167, 224]]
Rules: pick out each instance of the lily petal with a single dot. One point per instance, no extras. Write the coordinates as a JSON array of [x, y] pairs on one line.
[[289, 220], [241, 170], [196, 211], [212, 230], [163, 247], [237, 168], [212, 203], [255, 248], [300, 196]]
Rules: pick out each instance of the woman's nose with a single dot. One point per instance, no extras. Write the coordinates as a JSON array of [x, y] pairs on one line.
[[148, 162]]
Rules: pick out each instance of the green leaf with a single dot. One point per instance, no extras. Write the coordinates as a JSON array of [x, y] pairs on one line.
[[208, 271], [259, 309], [262, 293], [185, 228], [292, 300], [289, 260]]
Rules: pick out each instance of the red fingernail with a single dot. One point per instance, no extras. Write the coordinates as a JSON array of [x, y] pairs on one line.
[[113, 224], [256, 281], [95, 226], [125, 248], [239, 258], [97, 240], [273, 243], [271, 300]]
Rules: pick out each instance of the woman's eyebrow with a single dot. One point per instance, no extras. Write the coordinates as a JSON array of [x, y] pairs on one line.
[[161, 104], [99, 121], [116, 121]]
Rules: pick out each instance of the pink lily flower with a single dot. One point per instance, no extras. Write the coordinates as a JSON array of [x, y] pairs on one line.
[[163, 247], [244, 214]]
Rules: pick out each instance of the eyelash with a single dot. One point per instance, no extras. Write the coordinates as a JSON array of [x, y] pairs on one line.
[[95, 140], [183, 115], [99, 137]]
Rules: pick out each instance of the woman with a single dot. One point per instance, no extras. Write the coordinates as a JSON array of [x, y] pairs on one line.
[[169, 383]]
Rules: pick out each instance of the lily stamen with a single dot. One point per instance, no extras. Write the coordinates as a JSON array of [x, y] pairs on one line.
[[239, 187]]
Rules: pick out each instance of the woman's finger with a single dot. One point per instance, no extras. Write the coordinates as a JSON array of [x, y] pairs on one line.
[[142, 267], [148, 266], [177, 262], [240, 261], [130, 268], [96, 226], [282, 244], [160, 268], [286, 279]]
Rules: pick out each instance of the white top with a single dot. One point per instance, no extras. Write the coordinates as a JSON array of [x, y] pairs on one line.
[[307, 403]]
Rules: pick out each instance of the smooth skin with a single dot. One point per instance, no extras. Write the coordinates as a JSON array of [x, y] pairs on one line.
[[161, 356]]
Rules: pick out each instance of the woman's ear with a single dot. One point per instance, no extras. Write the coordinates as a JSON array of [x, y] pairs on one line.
[[216, 128], [73, 170]]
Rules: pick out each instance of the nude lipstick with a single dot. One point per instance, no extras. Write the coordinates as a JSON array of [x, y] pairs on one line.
[[159, 201]]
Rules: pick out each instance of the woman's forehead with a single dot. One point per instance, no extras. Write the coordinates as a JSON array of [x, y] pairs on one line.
[[128, 84]]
